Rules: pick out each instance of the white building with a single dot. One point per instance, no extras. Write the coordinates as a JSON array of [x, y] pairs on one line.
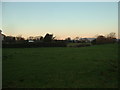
[[30, 41]]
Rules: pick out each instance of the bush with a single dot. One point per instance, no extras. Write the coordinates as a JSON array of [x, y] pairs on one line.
[[103, 40], [34, 44]]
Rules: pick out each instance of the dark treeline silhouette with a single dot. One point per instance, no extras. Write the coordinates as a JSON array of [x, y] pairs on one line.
[[49, 41], [110, 38]]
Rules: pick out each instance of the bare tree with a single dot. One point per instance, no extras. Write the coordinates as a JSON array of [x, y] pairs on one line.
[[111, 35]]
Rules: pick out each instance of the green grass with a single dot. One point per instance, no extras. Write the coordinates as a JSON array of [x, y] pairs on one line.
[[75, 44], [61, 67]]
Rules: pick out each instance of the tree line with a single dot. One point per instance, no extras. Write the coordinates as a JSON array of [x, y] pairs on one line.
[[110, 38], [50, 41]]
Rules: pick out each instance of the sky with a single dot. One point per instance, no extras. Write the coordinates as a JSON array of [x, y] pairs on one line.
[[62, 19]]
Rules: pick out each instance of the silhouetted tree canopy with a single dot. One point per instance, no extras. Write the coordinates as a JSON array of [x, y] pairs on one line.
[[68, 39], [110, 38], [48, 38], [49, 41], [41, 38], [9, 39]]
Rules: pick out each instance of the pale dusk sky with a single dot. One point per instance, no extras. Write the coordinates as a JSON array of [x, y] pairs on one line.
[[63, 19]]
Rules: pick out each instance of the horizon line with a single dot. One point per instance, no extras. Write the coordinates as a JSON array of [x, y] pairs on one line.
[[26, 37]]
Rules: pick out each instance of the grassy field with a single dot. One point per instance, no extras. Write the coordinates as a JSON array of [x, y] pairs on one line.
[[61, 67], [75, 44]]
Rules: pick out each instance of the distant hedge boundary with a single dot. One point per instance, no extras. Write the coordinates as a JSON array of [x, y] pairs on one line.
[[34, 45]]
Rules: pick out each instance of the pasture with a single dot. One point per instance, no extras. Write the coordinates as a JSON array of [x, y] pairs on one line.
[[61, 67]]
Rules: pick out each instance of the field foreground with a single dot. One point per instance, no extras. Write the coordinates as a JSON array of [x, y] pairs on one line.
[[61, 67]]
